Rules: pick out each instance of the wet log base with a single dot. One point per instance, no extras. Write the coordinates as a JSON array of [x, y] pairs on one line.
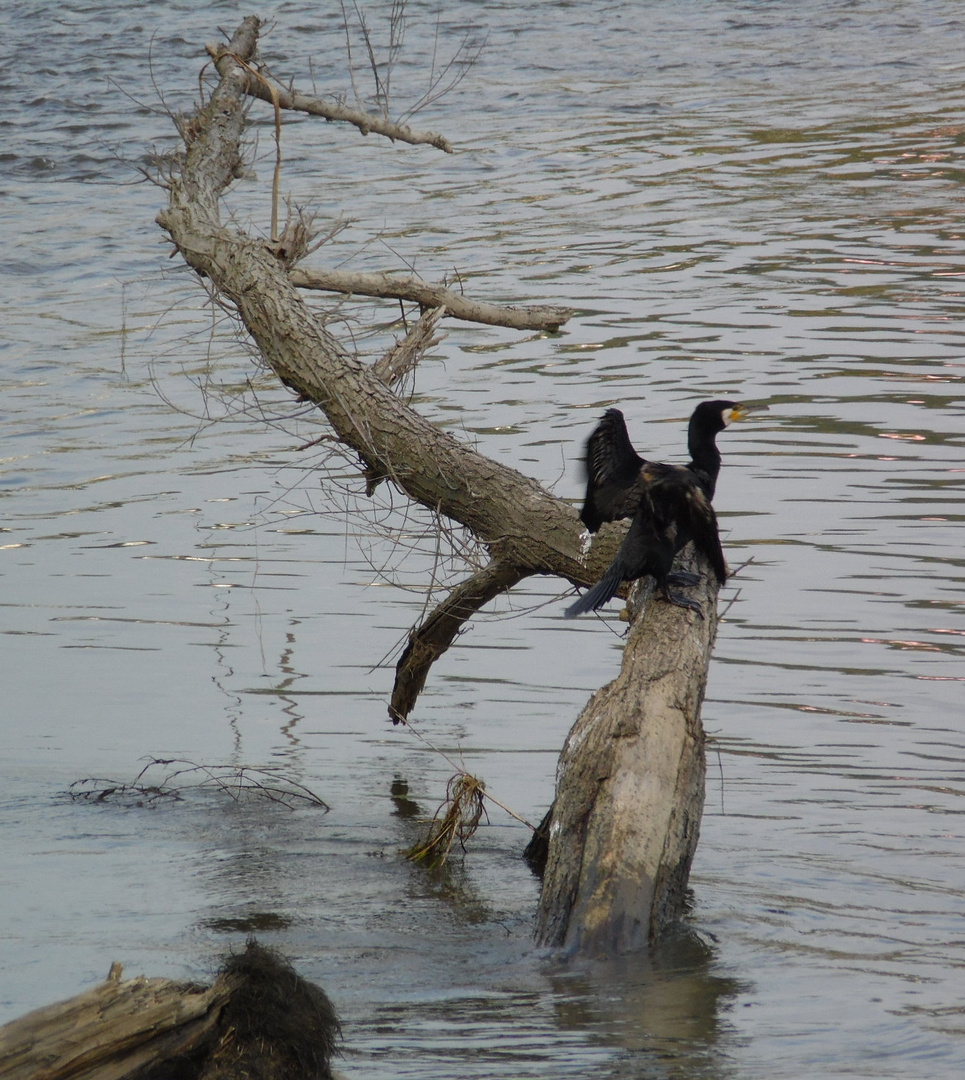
[[258, 1020], [630, 790]]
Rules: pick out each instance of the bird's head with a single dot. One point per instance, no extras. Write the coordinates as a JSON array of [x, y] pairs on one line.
[[714, 416]]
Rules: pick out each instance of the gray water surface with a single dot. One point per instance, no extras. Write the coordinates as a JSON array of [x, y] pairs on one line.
[[759, 201]]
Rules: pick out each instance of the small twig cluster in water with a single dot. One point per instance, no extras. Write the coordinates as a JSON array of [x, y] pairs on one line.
[[458, 815], [169, 778]]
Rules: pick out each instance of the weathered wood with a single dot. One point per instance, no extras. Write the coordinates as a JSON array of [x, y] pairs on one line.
[[110, 1032], [393, 366], [630, 788], [516, 317], [438, 630], [258, 1019], [258, 85], [521, 522]]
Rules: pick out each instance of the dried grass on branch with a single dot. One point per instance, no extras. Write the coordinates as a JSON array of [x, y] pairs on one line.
[[457, 818]]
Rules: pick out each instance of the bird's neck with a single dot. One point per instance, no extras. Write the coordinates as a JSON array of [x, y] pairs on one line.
[[704, 454], [704, 459]]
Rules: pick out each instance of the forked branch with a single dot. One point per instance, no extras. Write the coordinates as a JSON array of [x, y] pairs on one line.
[[520, 522]]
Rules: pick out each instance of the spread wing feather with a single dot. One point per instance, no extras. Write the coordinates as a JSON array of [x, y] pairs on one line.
[[612, 472]]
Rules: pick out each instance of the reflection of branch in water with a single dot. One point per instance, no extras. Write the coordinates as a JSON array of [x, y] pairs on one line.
[[223, 668], [237, 782], [225, 671], [404, 806], [289, 705]]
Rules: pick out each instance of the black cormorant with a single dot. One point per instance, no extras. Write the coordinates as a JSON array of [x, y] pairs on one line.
[[613, 466], [670, 504], [672, 509]]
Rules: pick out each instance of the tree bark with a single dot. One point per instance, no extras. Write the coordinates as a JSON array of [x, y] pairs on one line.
[[436, 633], [112, 1031], [630, 789], [258, 1019], [508, 511], [539, 317], [630, 786]]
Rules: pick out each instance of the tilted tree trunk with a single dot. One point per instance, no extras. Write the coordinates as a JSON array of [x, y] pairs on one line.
[[630, 786]]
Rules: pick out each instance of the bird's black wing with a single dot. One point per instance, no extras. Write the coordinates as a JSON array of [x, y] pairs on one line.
[[706, 537], [612, 472], [648, 548], [684, 512]]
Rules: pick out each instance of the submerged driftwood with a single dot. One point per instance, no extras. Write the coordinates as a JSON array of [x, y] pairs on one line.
[[258, 1021], [641, 734]]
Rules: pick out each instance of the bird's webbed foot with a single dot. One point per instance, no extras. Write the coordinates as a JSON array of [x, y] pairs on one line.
[[682, 601], [683, 578]]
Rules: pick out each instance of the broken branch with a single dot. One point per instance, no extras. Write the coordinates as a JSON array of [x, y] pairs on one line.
[[257, 86], [438, 630], [404, 355], [529, 317]]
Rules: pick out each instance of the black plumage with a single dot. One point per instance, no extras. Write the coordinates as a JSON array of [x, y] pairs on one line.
[[672, 510], [613, 484], [670, 504], [613, 467], [706, 422]]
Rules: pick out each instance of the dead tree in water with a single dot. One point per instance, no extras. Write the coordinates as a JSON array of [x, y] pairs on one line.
[[624, 824]]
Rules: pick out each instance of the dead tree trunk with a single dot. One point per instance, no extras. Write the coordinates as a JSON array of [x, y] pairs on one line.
[[524, 528], [623, 829]]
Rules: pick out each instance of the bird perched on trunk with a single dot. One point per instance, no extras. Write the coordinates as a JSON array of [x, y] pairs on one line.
[[672, 509], [670, 504], [613, 466]]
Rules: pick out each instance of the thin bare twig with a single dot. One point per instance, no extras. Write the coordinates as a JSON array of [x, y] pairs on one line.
[[462, 772], [235, 781], [258, 86]]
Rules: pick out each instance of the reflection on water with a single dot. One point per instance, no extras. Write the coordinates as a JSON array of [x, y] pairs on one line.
[[665, 1012], [743, 200]]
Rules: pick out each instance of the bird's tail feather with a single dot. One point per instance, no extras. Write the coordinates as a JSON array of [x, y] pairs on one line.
[[601, 592]]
